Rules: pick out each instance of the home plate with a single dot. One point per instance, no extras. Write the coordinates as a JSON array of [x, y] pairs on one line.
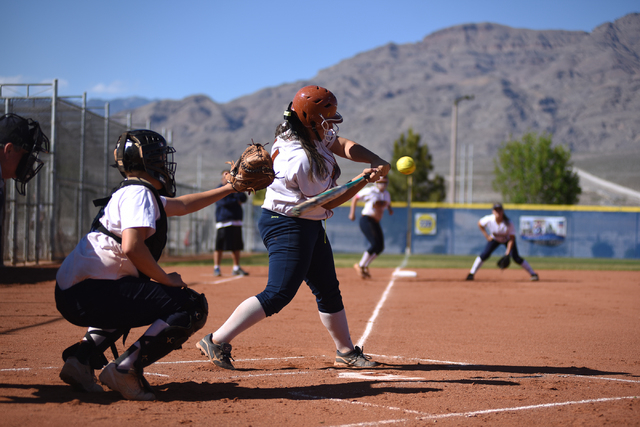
[[368, 376], [404, 273]]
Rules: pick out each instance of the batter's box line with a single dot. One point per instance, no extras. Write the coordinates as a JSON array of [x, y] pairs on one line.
[[426, 416], [447, 362]]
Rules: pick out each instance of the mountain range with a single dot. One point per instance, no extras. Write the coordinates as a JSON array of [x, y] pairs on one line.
[[583, 88]]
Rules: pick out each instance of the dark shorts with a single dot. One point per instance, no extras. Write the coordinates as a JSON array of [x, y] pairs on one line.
[[229, 238]]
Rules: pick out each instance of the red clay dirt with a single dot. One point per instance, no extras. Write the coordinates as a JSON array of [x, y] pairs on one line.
[[498, 351]]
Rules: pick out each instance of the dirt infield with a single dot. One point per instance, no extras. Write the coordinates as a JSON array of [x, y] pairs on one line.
[[499, 351]]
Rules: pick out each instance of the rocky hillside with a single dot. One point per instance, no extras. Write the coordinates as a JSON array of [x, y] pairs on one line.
[[584, 88]]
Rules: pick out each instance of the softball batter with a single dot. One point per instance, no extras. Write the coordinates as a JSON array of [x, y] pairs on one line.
[[376, 199], [501, 231], [298, 247]]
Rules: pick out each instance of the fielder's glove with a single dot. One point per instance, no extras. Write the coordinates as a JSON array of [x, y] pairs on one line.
[[253, 171], [504, 262]]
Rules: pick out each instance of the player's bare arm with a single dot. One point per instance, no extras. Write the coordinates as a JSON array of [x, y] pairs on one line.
[[135, 249], [484, 232], [190, 203], [355, 152], [512, 239], [352, 210]]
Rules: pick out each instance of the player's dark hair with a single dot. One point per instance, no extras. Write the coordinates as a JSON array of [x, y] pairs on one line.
[[498, 207], [293, 125]]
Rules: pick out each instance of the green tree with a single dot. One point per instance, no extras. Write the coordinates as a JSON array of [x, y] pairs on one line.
[[423, 189], [531, 171]]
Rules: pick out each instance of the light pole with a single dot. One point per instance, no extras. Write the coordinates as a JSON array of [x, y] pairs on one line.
[[454, 142]]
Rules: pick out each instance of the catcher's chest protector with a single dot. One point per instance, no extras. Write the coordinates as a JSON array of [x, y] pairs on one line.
[[158, 240]]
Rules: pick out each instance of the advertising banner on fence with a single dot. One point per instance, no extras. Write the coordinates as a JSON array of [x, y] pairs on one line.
[[425, 223], [543, 230]]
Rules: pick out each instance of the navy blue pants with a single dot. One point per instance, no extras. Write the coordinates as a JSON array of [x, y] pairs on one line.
[[373, 232], [298, 250], [129, 302], [493, 245]]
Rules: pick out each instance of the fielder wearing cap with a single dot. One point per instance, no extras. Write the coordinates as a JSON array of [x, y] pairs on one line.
[[498, 229]]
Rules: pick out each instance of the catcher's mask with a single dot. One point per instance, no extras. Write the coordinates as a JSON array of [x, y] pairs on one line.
[[25, 134], [316, 106], [146, 150]]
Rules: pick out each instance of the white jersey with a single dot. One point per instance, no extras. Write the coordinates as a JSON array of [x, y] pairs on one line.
[[98, 256], [500, 232], [292, 185], [375, 201]]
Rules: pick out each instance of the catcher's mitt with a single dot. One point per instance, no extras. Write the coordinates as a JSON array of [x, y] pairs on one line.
[[504, 262], [253, 171]]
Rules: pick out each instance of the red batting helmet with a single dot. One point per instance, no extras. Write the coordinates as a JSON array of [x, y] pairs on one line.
[[315, 104]]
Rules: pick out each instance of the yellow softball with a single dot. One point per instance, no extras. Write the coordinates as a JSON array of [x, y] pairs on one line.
[[406, 165]]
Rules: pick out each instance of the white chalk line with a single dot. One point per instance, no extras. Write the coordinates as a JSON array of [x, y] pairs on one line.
[[426, 416], [216, 282], [376, 311]]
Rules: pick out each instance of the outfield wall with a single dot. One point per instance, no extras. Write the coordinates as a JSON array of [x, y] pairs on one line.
[[541, 230]]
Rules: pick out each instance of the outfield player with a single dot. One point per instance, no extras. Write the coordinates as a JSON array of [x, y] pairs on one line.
[[305, 147], [376, 199], [111, 282], [498, 229]]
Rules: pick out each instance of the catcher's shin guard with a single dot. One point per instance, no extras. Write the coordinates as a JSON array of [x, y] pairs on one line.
[[181, 326], [87, 352]]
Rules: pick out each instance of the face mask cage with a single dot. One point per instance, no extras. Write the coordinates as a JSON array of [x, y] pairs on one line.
[[28, 167], [330, 127], [159, 163], [29, 164]]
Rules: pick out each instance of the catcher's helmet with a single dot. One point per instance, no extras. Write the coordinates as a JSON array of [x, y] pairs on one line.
[[315, 105], [146, 150], [26, 134]]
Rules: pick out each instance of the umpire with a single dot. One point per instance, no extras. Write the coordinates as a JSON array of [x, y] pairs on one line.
[[229, 216], [21, 140]]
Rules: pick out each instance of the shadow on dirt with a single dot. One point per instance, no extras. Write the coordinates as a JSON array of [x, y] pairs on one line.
[[23, 275], [195, 392]]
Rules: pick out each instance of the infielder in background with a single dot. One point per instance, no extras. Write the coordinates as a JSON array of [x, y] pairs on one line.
[[299, 249], [501, 231], [376, 200], [21, 140], [229, 229], [111, 282]]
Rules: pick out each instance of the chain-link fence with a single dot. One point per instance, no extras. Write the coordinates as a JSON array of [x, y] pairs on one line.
[[57, 209]]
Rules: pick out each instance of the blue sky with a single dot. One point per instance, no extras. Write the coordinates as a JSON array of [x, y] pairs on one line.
[[227, 49]]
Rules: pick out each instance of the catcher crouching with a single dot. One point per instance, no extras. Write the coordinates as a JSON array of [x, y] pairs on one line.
[[112, 282]]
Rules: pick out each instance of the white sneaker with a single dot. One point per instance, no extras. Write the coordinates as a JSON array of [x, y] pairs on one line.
[[79, 376], [129, 385]]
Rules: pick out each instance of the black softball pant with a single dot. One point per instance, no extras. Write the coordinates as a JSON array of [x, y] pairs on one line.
[[126, 303], [493, 245], [373, 232]]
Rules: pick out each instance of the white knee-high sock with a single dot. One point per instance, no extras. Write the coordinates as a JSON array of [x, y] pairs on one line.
[[476, 265], [527, 267], [153, 330], [96, 337], [364, 261], [247, 314], [336, 324], [370, 260]]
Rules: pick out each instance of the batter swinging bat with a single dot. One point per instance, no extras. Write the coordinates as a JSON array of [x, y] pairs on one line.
[[325, 197]]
